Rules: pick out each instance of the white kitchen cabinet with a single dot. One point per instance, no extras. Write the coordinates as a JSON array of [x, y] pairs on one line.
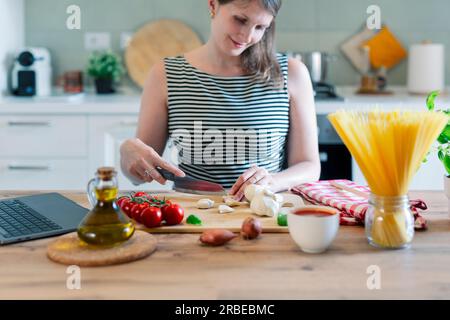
[[106, 134], [43, 152], [43, 174], [43, 136]]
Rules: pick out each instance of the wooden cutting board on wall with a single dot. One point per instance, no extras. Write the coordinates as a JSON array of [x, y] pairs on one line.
[[157, 40]]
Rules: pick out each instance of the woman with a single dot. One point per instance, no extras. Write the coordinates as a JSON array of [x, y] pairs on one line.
[[234, 86]]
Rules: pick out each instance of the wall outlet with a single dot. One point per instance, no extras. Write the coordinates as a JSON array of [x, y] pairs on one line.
[[97, 40], [125, 38]]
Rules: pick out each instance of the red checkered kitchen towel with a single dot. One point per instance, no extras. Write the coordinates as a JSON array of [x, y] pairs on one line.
[[352, 207]]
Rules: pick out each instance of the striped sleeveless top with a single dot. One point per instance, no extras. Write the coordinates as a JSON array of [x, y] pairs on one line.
[[221, 126]]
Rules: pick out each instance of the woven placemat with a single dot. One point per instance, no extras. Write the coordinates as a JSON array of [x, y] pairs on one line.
[[69, 250]]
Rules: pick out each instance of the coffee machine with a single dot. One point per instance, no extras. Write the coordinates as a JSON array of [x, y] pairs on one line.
[[31, 73]]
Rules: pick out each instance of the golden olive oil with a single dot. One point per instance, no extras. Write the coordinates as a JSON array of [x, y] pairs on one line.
[[105, 224]]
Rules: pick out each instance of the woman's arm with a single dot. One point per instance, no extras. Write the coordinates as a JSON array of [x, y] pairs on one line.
[[152, 124], [302, 144], [302, 148], [144, 152]]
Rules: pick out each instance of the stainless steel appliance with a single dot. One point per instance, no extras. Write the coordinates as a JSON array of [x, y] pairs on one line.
[[335, 159], [318, 64]]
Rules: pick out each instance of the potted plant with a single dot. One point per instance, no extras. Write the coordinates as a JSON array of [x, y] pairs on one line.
[[106, 68], [444, 143]]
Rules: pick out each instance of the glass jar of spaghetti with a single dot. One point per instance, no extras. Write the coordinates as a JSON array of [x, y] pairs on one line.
[[389, 222]]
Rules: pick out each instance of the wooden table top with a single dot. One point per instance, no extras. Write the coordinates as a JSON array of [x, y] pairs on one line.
[[271, 267]]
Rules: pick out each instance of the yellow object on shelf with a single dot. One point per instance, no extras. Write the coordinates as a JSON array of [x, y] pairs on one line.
[[385, 49]]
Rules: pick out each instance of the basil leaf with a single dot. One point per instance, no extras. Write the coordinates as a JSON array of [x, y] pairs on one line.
[[441, 155], [446, 162], [193, 219], [430, 99]]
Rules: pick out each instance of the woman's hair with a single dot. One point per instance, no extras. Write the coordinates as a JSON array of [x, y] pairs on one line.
[[260, 59]]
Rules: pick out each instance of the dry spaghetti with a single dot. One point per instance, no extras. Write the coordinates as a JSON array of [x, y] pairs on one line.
[[389, 148]]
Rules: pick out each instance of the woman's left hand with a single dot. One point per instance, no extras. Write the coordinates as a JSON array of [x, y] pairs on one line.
[[253, 175]]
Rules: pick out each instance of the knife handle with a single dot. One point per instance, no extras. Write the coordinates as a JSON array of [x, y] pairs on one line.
[[166, 174]]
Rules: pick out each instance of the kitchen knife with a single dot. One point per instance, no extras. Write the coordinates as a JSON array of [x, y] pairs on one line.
[[192, 185]]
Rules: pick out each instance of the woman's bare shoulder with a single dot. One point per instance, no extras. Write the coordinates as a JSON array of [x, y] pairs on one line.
[[297, 71], [155, 86], [157, 72]]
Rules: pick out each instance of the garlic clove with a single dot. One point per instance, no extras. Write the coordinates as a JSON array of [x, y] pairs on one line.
[[205, 203], [231, 202], [225, 209]]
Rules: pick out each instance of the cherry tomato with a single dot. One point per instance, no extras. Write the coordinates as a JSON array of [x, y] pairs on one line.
[[126, 206], [140, 194], [136, 211], [122, 200], [151, 217], [173, 214]]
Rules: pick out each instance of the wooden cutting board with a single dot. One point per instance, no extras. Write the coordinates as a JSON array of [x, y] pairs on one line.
[[211, 218], [154, 41]]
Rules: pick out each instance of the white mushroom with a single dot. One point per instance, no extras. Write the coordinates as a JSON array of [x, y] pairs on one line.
[[205, 203], [225, 209]]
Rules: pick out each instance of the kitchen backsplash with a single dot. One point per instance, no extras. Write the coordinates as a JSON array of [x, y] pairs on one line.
[[302, 25]]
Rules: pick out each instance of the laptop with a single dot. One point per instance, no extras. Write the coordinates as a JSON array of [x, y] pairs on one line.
[[38, 216]]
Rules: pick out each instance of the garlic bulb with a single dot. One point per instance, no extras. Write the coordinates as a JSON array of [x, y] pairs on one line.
[[263, 201], [205, 203], [263, 205], [225, 209], [251, 190]]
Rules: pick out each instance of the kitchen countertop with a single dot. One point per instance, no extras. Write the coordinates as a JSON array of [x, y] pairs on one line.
[[271, 267], [127, 101]]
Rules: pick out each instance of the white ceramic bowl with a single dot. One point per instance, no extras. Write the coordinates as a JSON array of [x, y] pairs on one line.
[[311, 233]]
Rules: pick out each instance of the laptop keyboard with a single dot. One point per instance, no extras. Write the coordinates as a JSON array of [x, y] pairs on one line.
[[18, 219]]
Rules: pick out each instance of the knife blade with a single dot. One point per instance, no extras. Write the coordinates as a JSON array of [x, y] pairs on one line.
[[191, 185]]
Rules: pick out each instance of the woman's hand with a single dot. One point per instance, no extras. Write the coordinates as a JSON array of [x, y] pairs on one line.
[[138, 162], [253, 175]]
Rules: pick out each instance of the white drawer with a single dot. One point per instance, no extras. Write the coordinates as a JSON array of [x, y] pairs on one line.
[[43, 136], [43, 174]]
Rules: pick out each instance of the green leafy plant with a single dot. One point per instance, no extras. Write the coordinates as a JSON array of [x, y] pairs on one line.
[[443, 150], [105, 65]]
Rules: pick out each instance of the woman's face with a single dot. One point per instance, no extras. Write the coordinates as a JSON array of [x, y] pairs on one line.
[[238, 25]]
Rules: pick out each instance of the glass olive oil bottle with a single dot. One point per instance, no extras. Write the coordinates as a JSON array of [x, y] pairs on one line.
[[105, 224]]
